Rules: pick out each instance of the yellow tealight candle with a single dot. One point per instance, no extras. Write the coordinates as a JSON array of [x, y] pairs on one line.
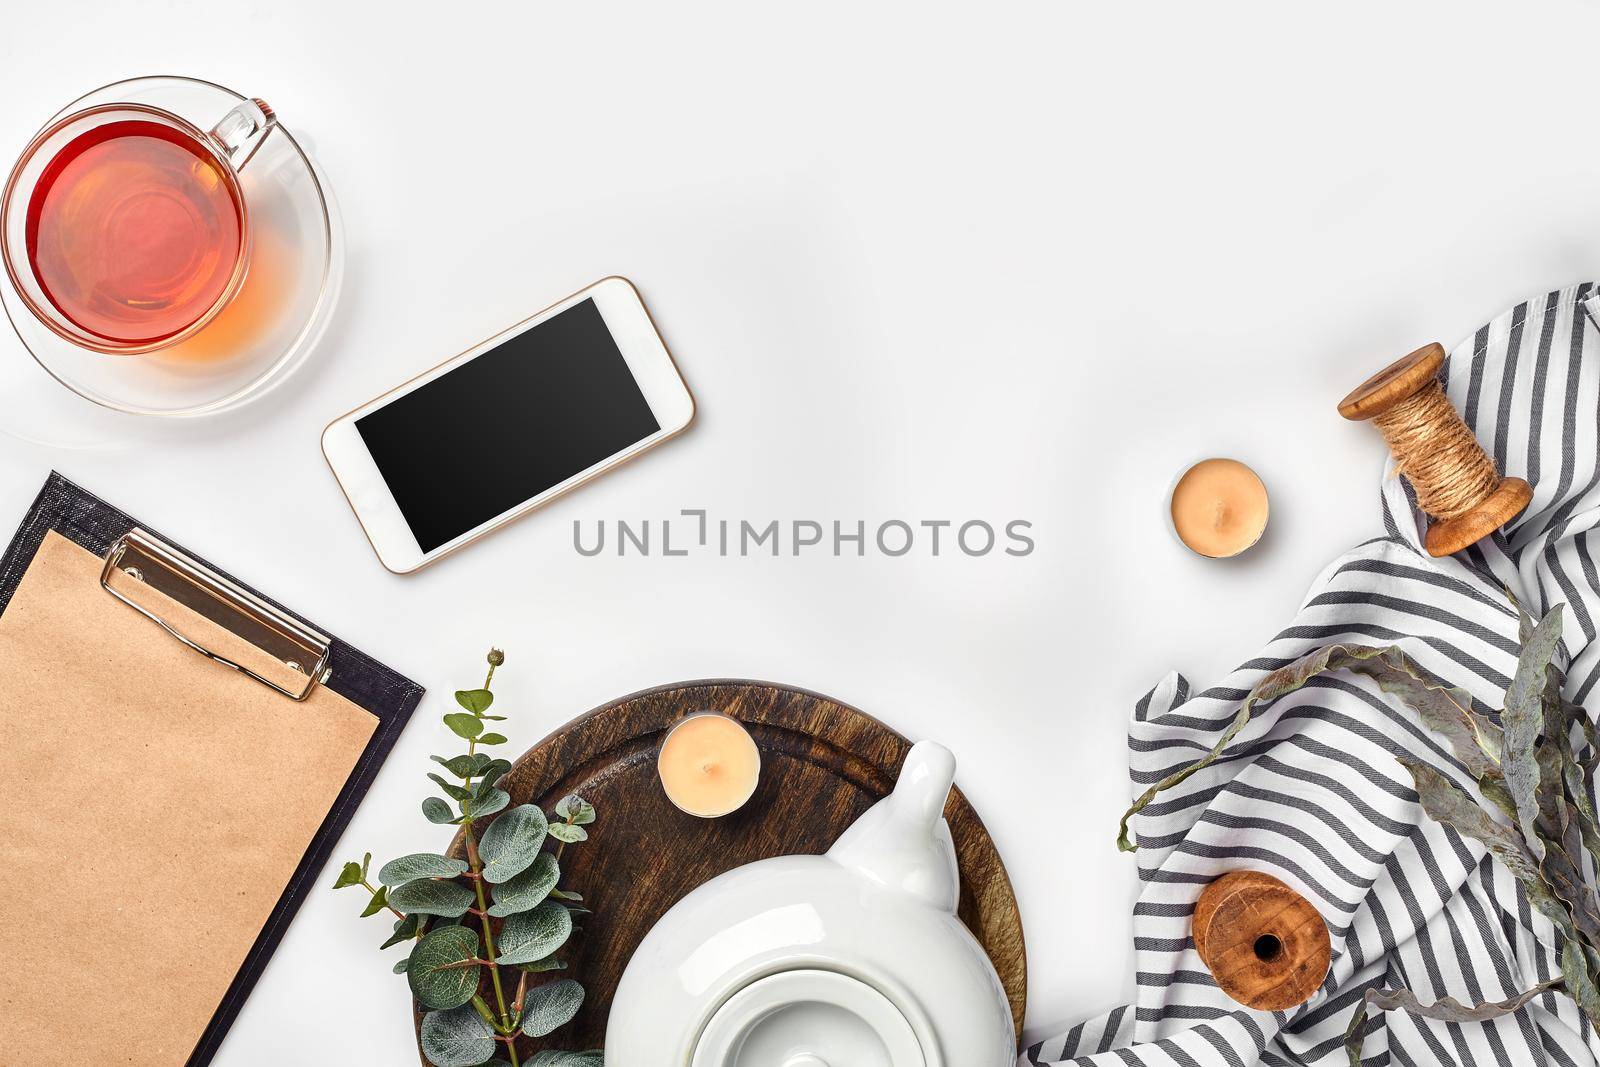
[[1219, 507], [709, 765]]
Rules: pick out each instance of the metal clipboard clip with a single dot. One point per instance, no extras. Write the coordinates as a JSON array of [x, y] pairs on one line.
[[277, 643]]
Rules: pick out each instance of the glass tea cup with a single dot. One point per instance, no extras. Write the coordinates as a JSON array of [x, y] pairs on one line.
[[124, 227]]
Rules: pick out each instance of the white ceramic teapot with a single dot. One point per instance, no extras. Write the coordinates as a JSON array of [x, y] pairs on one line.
[[850, 959]]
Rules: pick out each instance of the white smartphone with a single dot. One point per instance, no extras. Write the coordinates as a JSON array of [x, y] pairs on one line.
[[510, 424]]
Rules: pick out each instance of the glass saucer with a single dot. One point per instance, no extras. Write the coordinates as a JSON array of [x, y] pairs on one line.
[[267, 331]]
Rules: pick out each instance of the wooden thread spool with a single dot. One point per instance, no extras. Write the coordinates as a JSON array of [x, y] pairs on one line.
[[1456, 482], [1265, 944]]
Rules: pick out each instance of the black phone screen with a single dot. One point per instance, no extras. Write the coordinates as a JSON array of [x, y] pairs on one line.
[[506, 425]]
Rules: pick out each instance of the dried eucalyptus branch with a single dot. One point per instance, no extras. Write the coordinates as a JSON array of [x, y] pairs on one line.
[[508, 885], [1536, 768]]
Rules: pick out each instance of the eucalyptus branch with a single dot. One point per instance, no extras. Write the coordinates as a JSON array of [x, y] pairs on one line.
[[509, 882], [475, 863]]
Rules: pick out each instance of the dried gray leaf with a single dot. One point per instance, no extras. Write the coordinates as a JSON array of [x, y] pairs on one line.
[[1563, 874], [1284, 680], [1447, 1010], [1523, 720], [1579, 979], [1447, 804], [1445, 710]]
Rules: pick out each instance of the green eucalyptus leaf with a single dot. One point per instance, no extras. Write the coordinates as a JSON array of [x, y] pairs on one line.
[[492, 801], [528, 889], [451, 790], [575, 808], [463, 725], [532, 935], [366, 861], [438, 811], [1524, 720], [494, 769], [419, 865], [404, 930], [512, 842], [402, 965], [456, 1038], [426, 896], [567, 832], [1284, 680], [551, 1006], [441, 975], [463, 766], [592, 1058], [476, 701], [492, 739], [349, 874], [379, 901], [549, 963], [565, 894]]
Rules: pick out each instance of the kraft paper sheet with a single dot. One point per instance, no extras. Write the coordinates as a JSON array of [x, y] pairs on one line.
[[153, 807]]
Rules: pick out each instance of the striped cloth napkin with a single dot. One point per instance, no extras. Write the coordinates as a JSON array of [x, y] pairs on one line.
[[1311, 791]]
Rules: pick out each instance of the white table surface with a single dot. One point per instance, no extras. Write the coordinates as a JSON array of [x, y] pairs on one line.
[[917, 262]]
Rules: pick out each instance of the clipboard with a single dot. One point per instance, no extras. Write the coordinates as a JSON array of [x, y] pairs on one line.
[[167, 663]]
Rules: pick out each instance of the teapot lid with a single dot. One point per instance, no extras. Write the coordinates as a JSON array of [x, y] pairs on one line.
[[809, 1018]]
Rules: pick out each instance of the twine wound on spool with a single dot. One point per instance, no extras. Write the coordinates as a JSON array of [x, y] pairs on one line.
[[1455, 480]]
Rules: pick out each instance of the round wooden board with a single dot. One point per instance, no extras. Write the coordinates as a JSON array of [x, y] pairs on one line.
[[823, 764]]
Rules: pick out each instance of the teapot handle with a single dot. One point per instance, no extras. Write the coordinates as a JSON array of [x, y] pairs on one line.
[[925, 781]]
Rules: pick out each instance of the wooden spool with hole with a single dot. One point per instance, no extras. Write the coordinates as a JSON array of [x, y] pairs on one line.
[[1398, 382], [1265, 944]]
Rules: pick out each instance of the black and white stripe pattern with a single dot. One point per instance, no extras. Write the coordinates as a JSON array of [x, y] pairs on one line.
[[1311, 792]]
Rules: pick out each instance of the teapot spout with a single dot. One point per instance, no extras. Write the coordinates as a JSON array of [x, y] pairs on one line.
[[903, 841]]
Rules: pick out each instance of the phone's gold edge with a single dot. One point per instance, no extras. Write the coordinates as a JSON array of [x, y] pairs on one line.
[[511, 516]]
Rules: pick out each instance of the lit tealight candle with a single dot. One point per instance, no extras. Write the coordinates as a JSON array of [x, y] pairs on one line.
[[709, 765], [1219, 507]]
